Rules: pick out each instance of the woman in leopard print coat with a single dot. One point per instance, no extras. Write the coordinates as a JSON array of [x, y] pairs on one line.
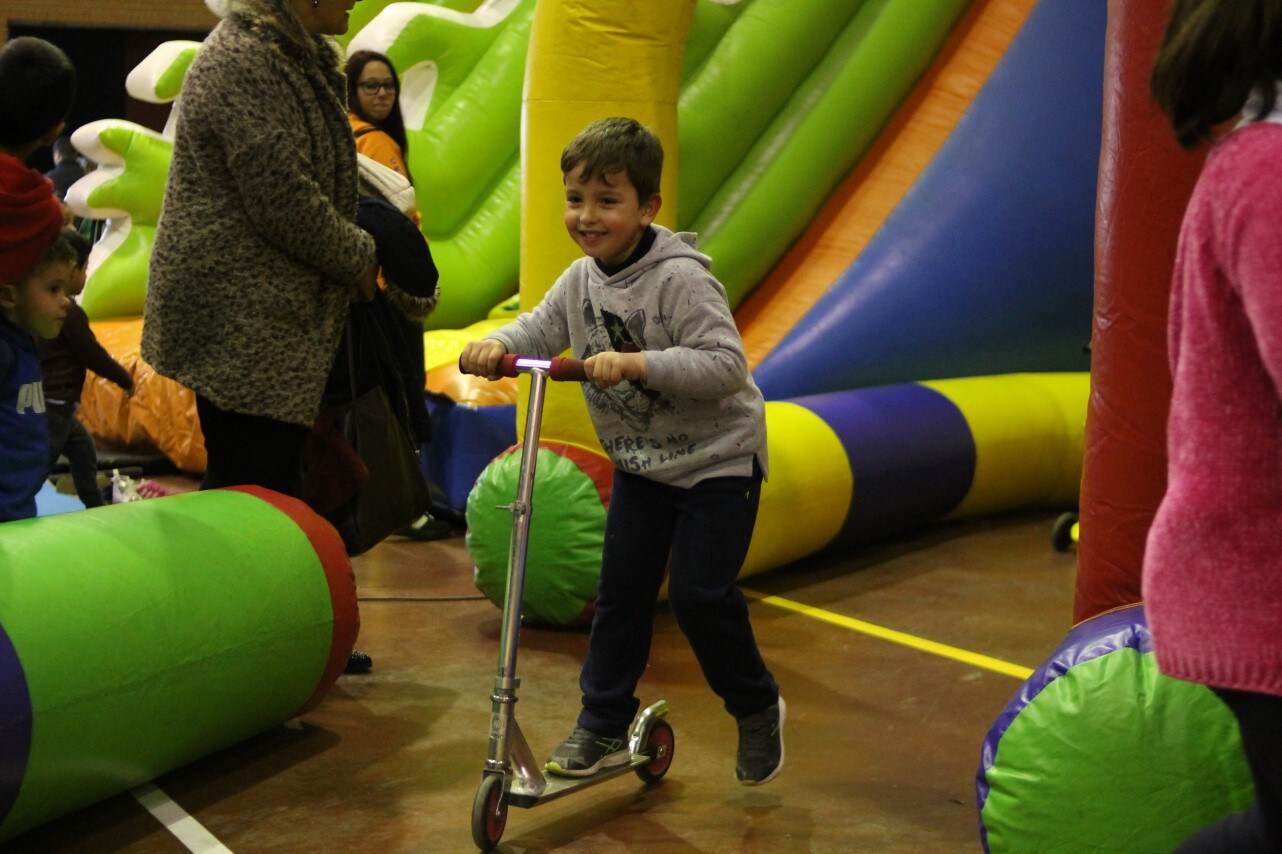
[[257, 253]]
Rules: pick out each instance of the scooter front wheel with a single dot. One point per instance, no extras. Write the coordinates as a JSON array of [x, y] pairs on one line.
[[660, 745], [489, 813]]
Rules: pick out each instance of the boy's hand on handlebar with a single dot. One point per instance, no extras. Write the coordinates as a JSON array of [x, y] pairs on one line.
[[609, 369], [482, 358]]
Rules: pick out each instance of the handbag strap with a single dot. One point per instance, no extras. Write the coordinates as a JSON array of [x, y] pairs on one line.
[[351, 354], [400, 407]]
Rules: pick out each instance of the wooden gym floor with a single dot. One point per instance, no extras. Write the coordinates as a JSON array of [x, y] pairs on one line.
[[882, 737]]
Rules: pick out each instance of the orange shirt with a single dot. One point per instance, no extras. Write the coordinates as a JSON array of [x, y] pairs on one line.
[[377, 145]]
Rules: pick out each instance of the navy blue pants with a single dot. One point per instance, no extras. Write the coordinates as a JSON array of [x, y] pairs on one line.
[[1258, 828], [706, 530]]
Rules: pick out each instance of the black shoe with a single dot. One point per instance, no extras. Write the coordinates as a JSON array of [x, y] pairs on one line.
[[427, 527], [761, 745], [359, 662], [584, 753]]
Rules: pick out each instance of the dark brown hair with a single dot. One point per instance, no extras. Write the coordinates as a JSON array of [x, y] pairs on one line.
[[79, 243], [394, 124], [63, 251], [1213, 56], [37, 86], [617, 145]]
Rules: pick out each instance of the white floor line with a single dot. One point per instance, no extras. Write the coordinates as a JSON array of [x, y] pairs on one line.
[[189, 832]]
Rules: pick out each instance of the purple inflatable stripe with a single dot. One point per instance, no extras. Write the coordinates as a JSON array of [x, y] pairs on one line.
[[910, 450], [1124, 628], [15, 725]]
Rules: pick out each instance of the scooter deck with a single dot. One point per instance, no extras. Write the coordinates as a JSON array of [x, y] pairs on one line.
[[556, 786]]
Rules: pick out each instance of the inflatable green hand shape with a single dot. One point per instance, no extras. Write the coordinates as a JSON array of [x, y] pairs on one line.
[[127, 187]]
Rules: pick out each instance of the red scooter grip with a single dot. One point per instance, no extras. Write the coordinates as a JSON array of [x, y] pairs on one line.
[[565, 369], [559, 368]]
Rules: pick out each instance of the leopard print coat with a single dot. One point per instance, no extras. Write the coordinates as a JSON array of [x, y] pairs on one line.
[[257, 243]]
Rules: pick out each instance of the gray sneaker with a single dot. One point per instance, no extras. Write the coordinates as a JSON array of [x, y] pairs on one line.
[[584, 753], [760, 756]]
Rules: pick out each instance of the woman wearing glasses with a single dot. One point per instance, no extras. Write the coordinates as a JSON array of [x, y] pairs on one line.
[[373, 90], [374, 110]]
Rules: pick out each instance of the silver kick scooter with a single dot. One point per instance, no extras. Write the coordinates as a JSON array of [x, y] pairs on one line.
[[512, 776]]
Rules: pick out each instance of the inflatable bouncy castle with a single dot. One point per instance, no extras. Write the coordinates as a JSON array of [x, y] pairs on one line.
[[901, 203], [909, 255]]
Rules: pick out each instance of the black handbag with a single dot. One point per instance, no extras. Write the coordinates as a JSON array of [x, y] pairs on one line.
[[366, 507]]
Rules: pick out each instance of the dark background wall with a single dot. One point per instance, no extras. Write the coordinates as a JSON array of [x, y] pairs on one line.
[[103, 59], [106, 39]]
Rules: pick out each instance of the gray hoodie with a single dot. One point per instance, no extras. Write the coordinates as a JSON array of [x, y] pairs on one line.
[[699, 415]]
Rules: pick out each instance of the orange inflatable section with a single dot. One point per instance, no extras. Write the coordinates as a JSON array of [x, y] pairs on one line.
[[161, 414], [883, 177], [470, 390]]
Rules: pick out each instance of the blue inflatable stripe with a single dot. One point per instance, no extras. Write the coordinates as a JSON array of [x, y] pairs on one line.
[[466, 439], [987, 265], [15, 725], [911, 453]]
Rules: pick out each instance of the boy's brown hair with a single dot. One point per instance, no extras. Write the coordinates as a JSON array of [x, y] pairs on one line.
[[79, 245], [62, 251], [617, 144], [13, 295]]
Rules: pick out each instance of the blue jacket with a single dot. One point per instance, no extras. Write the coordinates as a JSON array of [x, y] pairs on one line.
[[24, 433]]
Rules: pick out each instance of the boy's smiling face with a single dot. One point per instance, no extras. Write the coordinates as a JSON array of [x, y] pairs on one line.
[[39, 304], [605, 217]]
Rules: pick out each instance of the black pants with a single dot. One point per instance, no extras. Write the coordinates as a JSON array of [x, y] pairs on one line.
[[706, 530], [67, 436], [1259, 828], [251, 450]]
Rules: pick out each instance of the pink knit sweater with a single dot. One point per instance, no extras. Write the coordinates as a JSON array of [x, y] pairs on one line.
[[1213, 567]]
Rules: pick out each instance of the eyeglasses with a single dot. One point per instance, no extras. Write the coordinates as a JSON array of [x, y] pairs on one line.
[[371, 87]]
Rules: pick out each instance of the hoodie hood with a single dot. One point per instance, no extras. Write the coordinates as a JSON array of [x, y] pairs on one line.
[[668, 245]]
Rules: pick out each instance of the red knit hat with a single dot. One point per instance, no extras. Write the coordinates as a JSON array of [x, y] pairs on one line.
[[30, 219]]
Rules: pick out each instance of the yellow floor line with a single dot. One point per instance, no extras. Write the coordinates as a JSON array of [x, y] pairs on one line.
[[943, 650]]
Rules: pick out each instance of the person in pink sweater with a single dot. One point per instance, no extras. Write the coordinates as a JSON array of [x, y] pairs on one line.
[[1212, 576]]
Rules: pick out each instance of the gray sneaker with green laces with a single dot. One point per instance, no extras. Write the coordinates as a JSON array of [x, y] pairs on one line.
[[584, 753], [760, 756]]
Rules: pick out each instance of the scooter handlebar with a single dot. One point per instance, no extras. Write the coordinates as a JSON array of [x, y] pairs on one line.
[[560, 368]]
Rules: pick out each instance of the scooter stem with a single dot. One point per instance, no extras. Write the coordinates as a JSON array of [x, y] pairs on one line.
[[506, 683]]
